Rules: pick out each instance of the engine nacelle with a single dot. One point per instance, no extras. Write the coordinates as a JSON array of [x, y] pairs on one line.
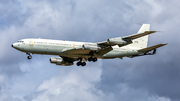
[[90, 46], [60, 61], [117, 41]]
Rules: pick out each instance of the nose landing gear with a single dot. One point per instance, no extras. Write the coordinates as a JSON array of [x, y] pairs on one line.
[[29, 57]]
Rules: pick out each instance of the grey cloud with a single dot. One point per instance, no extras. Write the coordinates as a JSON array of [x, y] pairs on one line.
[[8, 97], [12, 16], [157, 77], [13, 70], [152, 78], [80, 88]]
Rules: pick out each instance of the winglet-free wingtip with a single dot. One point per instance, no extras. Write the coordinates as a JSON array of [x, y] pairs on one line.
[[165, 43], [160, 31], [155, 31]]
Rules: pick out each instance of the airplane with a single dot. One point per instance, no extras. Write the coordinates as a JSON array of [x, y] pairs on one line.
[[70, 51]]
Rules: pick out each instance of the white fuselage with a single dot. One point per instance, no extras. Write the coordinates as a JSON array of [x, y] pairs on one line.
[[57, 47]]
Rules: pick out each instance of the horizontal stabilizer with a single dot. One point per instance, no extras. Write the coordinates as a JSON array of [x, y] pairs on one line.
[[135, 36], [151, 48]]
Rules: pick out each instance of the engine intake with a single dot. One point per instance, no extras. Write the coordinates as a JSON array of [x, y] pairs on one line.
[[60, 61]]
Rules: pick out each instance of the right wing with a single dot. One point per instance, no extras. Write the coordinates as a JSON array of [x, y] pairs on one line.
[[122, 41]]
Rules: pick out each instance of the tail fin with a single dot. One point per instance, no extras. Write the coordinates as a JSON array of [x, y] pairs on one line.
[[141, 42]]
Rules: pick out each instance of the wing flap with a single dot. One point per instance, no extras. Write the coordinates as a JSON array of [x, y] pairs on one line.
[[151, 48]]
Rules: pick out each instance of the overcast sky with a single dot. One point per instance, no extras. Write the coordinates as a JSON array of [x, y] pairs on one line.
[[149, 78]]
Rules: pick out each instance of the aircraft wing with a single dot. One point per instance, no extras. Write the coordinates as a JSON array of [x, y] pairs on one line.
[[151, 48], [122, 41], [78, 50]]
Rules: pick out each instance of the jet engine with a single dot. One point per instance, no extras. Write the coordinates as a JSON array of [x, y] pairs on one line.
[[93, 47], [60, 61], [117, 41]]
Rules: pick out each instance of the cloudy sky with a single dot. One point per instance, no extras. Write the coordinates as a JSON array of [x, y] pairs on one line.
[[150, 78]]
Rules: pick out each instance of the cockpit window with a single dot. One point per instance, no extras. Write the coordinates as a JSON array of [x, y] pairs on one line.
[[20, 41]]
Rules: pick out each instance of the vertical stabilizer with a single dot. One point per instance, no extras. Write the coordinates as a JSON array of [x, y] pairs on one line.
[[141, 42]]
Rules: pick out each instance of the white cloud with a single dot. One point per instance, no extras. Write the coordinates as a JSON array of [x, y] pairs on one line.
[[75, 84]]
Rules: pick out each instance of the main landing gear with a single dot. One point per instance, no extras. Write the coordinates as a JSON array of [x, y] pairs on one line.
[[92, 59], [81, 63], [29, 57]]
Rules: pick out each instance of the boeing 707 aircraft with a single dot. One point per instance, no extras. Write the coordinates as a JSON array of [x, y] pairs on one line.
[[70, 51]]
